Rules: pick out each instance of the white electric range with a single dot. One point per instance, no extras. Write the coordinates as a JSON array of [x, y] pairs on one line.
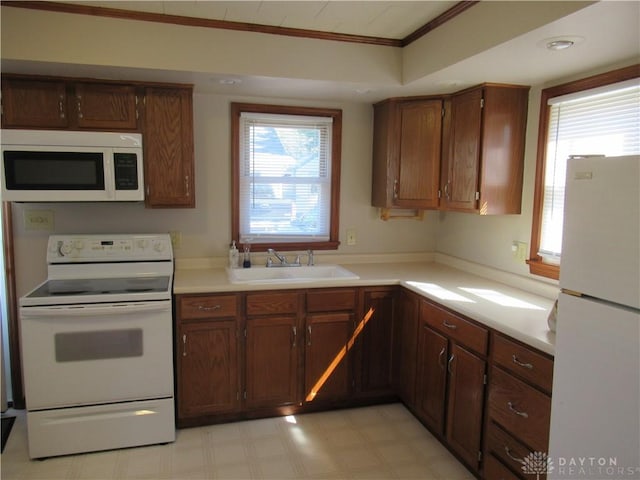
[[97, 345]]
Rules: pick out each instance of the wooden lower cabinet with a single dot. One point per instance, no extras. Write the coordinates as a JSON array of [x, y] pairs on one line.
[[263, 353], [405, 346], [519, 405], [207, 355], [209, 381], [272, 346], [465, 404], [373, 342], [431, 385], [327, 365], [450, 380]]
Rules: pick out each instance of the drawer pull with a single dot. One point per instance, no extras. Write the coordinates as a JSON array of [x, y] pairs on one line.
[[441, 358], [521, 364], [205, 308], [516, 411], [507, 450], [449, 325]]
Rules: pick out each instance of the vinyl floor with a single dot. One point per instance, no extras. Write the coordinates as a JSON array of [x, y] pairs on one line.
[[378, 442]]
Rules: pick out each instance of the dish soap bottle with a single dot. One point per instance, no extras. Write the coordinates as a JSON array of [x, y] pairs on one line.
[[246, 263], [234, 255]]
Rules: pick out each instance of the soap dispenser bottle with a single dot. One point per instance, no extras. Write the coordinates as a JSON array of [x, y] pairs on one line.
[[234, 255]]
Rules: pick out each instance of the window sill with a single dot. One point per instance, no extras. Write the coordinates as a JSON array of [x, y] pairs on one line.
[[538, 267]]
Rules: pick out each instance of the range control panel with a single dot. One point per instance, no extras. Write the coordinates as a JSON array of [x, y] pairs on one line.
[[108, 248]]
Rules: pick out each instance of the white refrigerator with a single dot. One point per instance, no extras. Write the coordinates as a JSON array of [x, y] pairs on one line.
[[595, 410]]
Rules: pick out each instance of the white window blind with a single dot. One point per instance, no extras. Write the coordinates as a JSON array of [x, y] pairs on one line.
[[601, 121], [285, 178]]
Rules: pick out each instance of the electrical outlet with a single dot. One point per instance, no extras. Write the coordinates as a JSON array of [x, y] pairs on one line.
[[351, 236], [176, 238], [519, 250], [41, 220]]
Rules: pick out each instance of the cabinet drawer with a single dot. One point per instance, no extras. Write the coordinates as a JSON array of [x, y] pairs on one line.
[[494, 470], [456, 328], [520, 409], [272, 303], [524, 362], [209, 306], [331, 300], [509, 450]]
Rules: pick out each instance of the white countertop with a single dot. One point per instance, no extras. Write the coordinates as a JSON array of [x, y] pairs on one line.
[[513, 311]]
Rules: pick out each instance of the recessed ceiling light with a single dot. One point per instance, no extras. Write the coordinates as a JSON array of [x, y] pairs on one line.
[[229, 81], [559, 43]]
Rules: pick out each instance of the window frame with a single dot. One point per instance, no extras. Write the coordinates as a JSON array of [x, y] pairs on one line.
[[336, 151], [536, 264]]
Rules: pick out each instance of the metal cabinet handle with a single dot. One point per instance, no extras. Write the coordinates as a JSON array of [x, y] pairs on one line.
[[449, 325], [441, 358], [507, 450], [61, 106], [521, 364], [309, 335], [395, 189], [295, 336], [449, 365], [206, 308], [79, 102], [184, 345], [446, 190], [516, 411]]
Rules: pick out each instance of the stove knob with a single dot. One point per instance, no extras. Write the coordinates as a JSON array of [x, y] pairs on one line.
[[141, 243], [159, 247], [66, 249]]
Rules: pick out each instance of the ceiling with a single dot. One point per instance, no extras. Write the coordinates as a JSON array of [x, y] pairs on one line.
[[607, 34], [383, 19]]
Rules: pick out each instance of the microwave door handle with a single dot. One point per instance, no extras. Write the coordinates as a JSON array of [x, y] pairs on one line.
[[85, 311], [109, 176]]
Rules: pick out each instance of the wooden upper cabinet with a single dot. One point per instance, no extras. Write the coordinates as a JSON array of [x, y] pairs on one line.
[[483, 149], [34, 104], [406, 153], [105, 106], [168, 147]]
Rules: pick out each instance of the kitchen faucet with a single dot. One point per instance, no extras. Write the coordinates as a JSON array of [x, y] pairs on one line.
[[283, 259]]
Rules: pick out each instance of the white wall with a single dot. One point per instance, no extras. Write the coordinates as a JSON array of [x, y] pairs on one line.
[[206, 230], [487, 239]]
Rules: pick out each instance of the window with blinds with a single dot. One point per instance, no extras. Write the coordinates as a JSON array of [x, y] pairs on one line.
[[601, 121], [284, 178]]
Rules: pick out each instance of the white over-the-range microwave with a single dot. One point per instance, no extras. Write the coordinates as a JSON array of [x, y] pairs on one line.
[[71, 166]]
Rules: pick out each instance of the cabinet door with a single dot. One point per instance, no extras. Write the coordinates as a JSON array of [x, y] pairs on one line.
[[168, 147], [327, 360], [465, 404], [105, 106], [419, 166], [374, 333], [405, 346], [34, 103], [464, 150], [272, 347], [208, 380], [431, 378]]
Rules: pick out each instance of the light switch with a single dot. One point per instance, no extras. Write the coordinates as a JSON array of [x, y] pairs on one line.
[[351, 236]]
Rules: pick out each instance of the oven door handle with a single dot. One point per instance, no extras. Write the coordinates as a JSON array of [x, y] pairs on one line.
[[90, 310]]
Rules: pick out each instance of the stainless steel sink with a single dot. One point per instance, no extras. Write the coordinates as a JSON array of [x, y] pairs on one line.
[[314, 273]]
